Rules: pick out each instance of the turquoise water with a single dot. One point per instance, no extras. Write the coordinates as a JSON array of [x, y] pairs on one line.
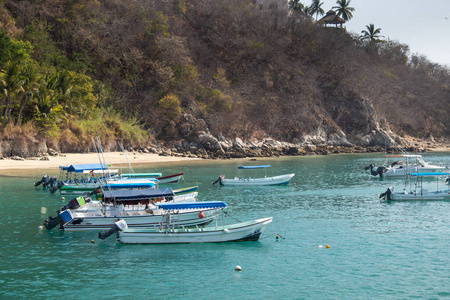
[[377, 249]]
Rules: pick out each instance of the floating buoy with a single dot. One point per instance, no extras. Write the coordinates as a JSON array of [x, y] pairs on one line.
[[327, 246], [320, 246], [238, 268], [201, 215], [92, 242]]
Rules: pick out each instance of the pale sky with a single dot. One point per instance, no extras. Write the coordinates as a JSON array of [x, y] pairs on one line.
[[423, 25]]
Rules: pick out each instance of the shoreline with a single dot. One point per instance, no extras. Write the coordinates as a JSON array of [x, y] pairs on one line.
[[114, 158], [118, 158]]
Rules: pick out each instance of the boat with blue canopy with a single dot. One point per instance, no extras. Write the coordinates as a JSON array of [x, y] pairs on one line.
[[241, 180], [140, 208]]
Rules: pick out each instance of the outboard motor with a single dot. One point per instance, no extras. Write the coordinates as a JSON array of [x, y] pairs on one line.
[[51, 222], [219, 179], [379, 171], [118, 226], [61, 219], [49, 182], [387, 193], [75, 203], [45, 178], [56, 186]]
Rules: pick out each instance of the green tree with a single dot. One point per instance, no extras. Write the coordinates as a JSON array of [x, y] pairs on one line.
[[10, 84], [371, 33], [344, 10], [29, 88], [316, 8], [296, 5], [170, 106]]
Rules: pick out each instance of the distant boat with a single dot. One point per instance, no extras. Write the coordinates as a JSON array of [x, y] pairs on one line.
[[409, 163], [249, 181], [417, 191], [239, 232]]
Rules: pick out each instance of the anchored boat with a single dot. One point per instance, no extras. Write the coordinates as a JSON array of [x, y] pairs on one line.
[[249, 181], [140, 208], [246, 231], [417, 190]]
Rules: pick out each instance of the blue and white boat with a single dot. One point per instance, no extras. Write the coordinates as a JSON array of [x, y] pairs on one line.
[[249, 181], [140, 208]]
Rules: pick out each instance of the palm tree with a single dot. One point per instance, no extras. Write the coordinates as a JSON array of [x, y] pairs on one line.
[[296, 5], [316, 8], [371, 33], [343, 9], [30, 87], [10, 84]]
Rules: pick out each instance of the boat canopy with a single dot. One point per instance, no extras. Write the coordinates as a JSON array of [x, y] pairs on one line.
[[125, 195], [89, 167], [131, 185], [403, 155], [429, 174], [107, 171], [192, 205], [254, 167]]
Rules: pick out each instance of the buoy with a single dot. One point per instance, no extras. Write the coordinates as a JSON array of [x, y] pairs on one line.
[[201, 215], [92, 242], [327, 246], [238, 268], [320, 246]]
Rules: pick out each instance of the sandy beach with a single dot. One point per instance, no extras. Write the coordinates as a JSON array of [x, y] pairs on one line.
[[114, 158]]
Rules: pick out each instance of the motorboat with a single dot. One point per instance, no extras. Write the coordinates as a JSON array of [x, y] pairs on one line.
[[249, 181], [239, 232], [403, 165], [417, 190], [140, 208]]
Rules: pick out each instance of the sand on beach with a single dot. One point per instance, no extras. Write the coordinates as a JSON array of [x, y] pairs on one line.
[[113, 158]]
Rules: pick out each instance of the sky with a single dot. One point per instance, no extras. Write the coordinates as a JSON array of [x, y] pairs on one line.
[[423, 25]]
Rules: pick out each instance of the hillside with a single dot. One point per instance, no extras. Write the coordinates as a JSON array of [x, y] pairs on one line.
[[181, 70]]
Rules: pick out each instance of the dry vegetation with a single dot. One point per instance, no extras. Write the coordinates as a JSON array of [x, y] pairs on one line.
[[246, 72]]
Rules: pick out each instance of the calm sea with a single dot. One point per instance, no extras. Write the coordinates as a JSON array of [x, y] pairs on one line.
[[377, 250]]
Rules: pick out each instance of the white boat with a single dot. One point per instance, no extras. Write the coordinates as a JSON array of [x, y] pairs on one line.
[[417, 190], [140, 208], [249, 181], [409, 163], [246, 231]]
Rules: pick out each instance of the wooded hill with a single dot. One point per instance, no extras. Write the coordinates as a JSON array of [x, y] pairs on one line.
[[132, 70]]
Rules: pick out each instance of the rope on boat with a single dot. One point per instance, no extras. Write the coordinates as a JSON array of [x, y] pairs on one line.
[[229, 215], [278, 236]]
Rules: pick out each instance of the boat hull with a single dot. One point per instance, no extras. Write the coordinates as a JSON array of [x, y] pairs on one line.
[[247, 231], [276, 180], [426, 196], [96, 220], [397, 172], [170, 179]]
